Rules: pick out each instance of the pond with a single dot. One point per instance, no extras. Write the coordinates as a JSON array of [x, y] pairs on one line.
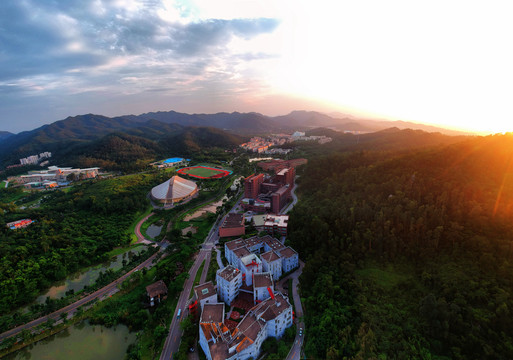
[[88, 276], [153, 231], [81, 341]]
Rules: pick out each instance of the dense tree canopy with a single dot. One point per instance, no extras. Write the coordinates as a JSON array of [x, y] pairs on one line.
[[72, 230], [409, 254]]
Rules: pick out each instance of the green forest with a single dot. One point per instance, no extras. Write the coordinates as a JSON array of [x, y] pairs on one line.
[[72, 229], [408, 253]]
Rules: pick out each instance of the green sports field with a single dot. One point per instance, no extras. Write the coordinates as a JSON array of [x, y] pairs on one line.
[[201, 171]]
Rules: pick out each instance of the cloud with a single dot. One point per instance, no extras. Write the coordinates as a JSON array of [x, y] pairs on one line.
[[41, 38], [53, 51]]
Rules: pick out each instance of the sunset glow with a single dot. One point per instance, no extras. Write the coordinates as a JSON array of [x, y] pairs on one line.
[[438, 63]]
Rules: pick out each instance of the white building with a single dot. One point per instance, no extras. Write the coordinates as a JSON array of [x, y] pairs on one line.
[[272, 263], [250, 265], [263, 287], [269, 318], [229, 281], [205, 293], [290, 259], [275, 257]]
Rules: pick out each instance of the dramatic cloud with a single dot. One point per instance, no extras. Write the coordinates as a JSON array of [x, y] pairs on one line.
[[114, 48]]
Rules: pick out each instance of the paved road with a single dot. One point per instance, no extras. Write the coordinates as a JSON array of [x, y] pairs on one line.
[[295, 351], [294, 200], [70, 309], [140, 237], [172, 343]]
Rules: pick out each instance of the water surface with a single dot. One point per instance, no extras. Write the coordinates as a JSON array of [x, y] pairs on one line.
[[80, 342]]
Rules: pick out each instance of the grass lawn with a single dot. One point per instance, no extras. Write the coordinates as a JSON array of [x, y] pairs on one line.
[[200, 171], [122, 250]]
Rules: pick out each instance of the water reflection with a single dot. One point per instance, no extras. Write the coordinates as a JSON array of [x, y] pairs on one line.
[[80, 342]]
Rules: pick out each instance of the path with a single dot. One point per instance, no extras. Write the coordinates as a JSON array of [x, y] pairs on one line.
[[295, 351], [137, 230], [70, 309], [172, 343]]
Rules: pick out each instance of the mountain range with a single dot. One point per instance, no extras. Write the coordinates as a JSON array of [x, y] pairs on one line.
[[183, 130]]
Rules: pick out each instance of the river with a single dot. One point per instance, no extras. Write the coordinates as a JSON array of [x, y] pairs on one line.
[[88, 276], [81, 341]]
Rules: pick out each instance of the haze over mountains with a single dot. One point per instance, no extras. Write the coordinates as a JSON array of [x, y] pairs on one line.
[[73, 133]]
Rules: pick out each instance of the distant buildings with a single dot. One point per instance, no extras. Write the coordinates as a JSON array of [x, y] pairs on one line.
[[233, 225], [53, 176], [19, 224], [171, 162], [275, 225], [35, 159], [277, 165], [271, 193]]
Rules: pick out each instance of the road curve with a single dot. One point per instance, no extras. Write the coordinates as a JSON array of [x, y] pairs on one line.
[[137, 230]]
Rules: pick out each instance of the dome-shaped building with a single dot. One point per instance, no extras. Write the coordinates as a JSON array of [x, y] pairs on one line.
[[174, 190]]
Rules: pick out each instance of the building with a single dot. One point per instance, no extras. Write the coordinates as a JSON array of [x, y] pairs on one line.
[[54, 173], [268, 318], [233, 225], [275, 225], [277, 164], [237, 253], [229, 281], [252, 186], [171, 162], [263, 287], [156, 292], [19, 224], [249, 266], [205, 293], [174, 190], [272, 263], [290, 259]]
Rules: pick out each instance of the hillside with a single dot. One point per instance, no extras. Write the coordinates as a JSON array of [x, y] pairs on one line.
[[78, 130], [129, 153], [408, 255], [4, 135]]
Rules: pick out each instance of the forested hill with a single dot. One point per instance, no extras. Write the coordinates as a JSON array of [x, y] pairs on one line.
[[409, 256], [121, 151], [5, 134]]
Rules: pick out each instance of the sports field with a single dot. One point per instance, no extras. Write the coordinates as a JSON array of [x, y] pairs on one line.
[[204, 172]]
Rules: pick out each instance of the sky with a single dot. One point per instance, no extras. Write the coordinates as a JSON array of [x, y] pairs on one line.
[[444, 63]]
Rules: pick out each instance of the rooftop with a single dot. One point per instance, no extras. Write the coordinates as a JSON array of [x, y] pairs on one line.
[[212, 313], [288, 252], [270, 308], [273, 243], [205, 290], [250, 259], [241, 252], [233, 220], [156, 288], [262, 280], [234, 244], [228, 273], [276, 220], [259, 220], [270, 256]]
